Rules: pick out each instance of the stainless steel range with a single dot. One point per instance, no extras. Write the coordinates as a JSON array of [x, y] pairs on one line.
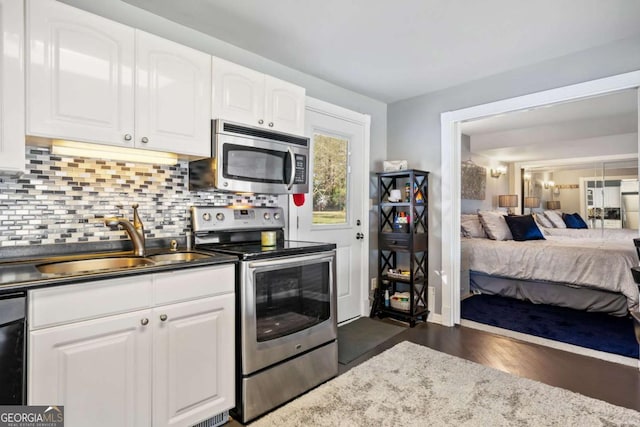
[[286, 327]]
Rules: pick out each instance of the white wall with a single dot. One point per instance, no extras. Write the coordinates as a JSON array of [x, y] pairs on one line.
[[414, 124], [495, 186]]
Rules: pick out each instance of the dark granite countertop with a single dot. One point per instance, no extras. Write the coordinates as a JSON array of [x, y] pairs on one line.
[[20, 273]]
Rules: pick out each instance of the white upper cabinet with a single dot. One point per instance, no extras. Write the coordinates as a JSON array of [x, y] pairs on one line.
[[247, 96], [238, 93], [94, 80], [173, 96], [80, 75], [284, 105], [12, 159]]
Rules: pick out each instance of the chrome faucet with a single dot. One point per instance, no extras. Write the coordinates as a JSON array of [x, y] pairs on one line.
[[135, 230]]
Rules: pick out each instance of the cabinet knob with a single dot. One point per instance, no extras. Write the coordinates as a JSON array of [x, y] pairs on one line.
[[270, 124], [163, 317], [260, 122], [128, 137], [144, 139], [144, 321]]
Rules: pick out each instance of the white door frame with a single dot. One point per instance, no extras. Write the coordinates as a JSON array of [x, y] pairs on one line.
[[450, 159], [332, 110]]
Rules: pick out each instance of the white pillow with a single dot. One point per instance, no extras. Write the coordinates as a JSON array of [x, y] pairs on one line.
[[556, 218], [471, 226], [542, 220], [495, 226]]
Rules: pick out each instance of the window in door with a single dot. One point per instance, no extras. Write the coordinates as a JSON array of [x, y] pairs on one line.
[[330, 179]]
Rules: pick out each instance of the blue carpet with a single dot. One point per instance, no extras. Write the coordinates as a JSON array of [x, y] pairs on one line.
[[597, 331]]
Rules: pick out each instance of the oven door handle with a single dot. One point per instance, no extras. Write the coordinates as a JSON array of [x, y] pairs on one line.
[[324, 256], [292, 175]]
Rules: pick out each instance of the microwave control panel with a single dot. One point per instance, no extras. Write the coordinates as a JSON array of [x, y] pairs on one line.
[[301, 169]]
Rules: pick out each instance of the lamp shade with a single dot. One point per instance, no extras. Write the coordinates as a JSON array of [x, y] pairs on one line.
[[508, 200], [553, 204], [531, 202]]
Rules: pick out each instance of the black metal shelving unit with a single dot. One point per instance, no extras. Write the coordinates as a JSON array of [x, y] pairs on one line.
[[403, 245]]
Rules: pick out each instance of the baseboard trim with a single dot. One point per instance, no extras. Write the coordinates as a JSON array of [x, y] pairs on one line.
[[622, 360]]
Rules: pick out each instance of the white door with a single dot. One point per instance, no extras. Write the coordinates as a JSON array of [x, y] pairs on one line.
[[334, 210], [99, 370], [193, 360], [80, 75], [173, 97]]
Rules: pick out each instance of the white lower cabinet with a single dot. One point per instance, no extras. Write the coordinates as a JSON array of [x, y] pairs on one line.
[[171, 364]]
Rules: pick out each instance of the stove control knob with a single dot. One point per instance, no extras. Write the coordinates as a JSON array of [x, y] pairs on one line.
[[220, 216], [206, 216], [266, 216], [276, 216]]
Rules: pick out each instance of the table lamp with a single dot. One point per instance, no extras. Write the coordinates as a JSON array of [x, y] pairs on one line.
[[508, 201]]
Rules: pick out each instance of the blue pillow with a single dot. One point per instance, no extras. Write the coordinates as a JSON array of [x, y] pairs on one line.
[[523, 228], [574, 220]]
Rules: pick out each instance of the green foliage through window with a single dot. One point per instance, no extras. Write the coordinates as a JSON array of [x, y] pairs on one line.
[[330, 165]]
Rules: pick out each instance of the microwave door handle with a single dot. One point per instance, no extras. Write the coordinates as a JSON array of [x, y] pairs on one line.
[[293, 169]]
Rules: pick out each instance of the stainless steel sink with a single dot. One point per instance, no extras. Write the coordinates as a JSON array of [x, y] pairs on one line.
[[93, 265], [178, 256]]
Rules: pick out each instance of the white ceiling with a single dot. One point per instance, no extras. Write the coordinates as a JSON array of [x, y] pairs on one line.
[[392, 50], [597, 128]]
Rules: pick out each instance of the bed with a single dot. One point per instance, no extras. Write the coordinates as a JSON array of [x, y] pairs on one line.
[[582, 269]]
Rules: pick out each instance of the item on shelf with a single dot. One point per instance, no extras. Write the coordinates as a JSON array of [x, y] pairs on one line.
[[398, 273], [386, 298], [395, 196], [401, 222], [417, 194], [394, 165], [407, 192], [400, 301]]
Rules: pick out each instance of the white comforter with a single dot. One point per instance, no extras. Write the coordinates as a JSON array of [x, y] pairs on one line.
[[592, 233], [595, 263]]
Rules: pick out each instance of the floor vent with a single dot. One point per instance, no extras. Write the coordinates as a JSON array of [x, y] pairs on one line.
[[214, 421]]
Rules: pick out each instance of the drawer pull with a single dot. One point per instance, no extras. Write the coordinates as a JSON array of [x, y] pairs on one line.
[[163, 317], [144, 321]]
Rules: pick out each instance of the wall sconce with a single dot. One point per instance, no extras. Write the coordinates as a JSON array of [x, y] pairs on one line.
[[548, 184], [508, 201], [497, 172], [531, 202]]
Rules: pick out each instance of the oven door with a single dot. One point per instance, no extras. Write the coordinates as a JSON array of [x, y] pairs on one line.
[[288, 307], [258, 166]]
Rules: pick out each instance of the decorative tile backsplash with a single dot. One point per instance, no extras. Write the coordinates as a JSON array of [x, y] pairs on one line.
[[64, 199]]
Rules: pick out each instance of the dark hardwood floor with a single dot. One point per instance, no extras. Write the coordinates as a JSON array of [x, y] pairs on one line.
[[611, 382]]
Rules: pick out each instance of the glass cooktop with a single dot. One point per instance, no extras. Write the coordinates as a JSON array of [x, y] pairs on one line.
[[254, 250]]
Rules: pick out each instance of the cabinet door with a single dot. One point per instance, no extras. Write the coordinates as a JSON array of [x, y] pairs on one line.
[[238, 93], [99, 370], [173, 97], [80, 75], [12, 159], [284, 106], [193, 360]]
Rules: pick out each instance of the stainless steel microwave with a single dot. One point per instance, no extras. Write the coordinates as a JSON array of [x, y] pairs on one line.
[[247, 159]]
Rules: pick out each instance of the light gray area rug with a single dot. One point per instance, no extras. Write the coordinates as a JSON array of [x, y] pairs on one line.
[[412, 385]]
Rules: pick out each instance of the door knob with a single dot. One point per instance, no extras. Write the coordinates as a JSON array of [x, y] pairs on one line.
[[128, 137], [144, 321], [270, 124], [144, 139], [359, 236], [260, 121], [163, 317]]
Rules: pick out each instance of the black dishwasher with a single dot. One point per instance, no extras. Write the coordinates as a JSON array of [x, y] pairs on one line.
[[12, 349]]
